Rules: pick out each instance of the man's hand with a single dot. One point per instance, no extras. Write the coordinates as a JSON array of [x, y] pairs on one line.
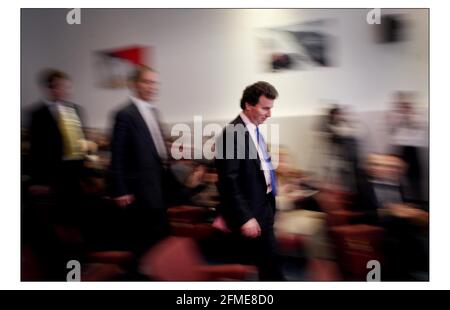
[[251, 229], [409, 212], [124, 200], [196, 178]]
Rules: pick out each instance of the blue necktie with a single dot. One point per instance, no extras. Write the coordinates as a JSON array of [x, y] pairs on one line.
[[267, 159]]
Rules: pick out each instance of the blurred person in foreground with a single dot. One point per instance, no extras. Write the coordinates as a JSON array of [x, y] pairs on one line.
[[57, 139], [57, 148], [247, 182], [140, 164], [298, 212]]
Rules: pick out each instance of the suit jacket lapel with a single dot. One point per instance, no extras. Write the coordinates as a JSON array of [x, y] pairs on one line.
[[250, 145], [143, 129]]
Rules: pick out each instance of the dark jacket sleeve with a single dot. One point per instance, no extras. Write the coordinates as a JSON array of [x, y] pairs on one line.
[[234, 205], [120, 139], [37, 152]]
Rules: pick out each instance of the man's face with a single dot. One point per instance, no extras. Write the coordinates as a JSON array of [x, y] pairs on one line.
[[385, 167], [261, 111], [60, 89], [146, 87]]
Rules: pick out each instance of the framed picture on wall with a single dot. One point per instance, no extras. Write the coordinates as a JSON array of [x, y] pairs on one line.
[[113, 66]]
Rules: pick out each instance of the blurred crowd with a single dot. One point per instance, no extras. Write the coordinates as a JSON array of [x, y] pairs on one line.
[[365, 206]]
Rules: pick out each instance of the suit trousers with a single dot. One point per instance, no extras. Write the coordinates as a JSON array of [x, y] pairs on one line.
[[261, 251]]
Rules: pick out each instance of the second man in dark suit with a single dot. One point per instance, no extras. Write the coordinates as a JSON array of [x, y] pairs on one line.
[[139, 164]]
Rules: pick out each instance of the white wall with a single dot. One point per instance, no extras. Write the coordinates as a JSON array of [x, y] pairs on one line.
[[206, 58]]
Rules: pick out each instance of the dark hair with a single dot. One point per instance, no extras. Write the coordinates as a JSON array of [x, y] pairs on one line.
[[48, 76], [253, 92], [332, 114], [138, 71]]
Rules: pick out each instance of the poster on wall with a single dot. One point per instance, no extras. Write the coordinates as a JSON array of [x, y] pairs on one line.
[[113, 66], [299, 46]]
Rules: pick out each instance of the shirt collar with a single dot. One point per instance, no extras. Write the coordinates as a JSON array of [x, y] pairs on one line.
[[247, 122], [141, 103], [51, 103]]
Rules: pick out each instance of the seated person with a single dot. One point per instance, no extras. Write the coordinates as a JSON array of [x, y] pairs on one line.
[[380, 196], [291, 192], [380, 191], [192, 177], [298, 213]]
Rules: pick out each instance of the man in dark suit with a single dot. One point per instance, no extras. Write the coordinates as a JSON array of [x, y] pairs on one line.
[[247, 182], [139, 164], [57, 155], [56, 134]]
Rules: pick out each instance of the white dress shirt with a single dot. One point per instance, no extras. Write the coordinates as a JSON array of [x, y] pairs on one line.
[[148, 114], [264, 166], [53, 107]]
